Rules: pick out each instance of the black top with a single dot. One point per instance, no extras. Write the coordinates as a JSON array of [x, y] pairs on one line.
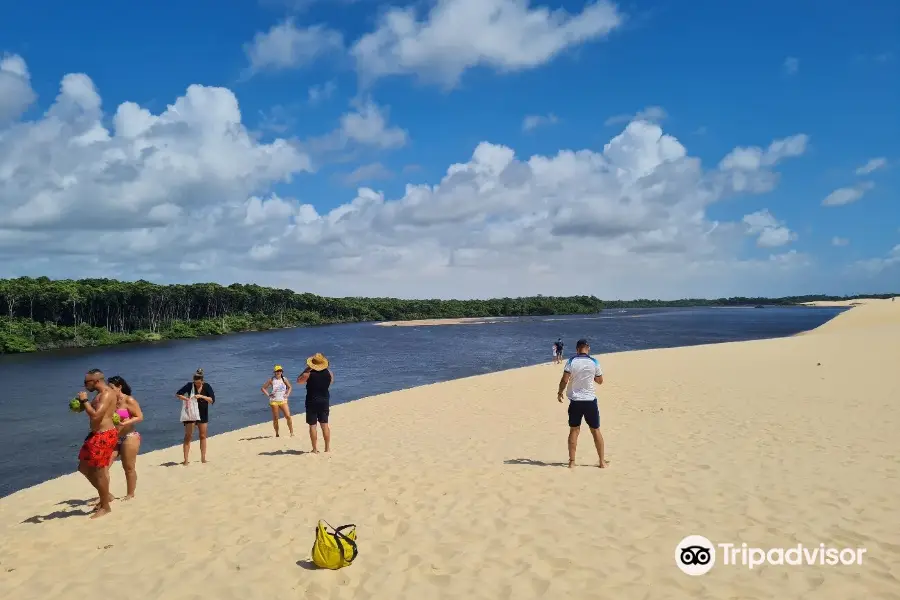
[[317, 385], [205, 390]]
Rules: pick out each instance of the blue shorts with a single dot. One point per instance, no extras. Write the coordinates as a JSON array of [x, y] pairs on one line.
[[588, 410]]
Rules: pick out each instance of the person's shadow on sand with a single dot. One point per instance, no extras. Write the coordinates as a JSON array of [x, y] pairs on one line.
[[58, 514], [283, 453], [533, 463], [169, 464], [76, 502], [251, 439]]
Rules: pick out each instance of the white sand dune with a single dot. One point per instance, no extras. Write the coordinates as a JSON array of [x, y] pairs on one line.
[[434, 322], [458, 489]]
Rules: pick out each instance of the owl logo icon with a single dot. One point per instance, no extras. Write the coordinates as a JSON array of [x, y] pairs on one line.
[[695, 555]]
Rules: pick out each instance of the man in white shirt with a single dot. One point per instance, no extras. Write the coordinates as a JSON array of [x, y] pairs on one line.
[[580, 374]]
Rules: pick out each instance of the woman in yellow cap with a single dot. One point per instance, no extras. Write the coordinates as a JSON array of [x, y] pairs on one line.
[[318, 379], [278, 389]]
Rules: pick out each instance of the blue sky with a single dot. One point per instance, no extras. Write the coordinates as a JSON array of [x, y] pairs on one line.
[[724, 74]]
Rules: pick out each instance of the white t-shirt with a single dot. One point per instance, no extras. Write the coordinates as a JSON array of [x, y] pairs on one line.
[[582, 369]]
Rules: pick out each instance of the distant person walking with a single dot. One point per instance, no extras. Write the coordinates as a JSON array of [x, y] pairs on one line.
[[318, 379], [196, 397], [580, 374], [96, 453], [130, 413], [558, 350], [278, 389]]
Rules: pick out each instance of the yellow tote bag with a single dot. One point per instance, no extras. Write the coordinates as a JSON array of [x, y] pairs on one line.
[[335, 549]]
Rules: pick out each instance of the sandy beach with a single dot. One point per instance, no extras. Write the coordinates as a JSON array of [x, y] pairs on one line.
[[460, 490], [432, 322]]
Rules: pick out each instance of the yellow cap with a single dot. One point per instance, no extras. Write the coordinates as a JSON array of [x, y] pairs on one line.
[[278, 368]]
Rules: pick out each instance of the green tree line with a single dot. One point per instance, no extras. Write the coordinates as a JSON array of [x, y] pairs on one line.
[[735, 301], [41, 313]]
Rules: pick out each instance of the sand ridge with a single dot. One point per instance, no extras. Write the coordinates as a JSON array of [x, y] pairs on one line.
[[459, 489], [434, 322]]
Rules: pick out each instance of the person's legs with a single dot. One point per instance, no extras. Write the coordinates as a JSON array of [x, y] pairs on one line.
[[575, 414], [186, 445], [129, 451], [311, 420], [592, 418], [103, 490], [286, 411], [274, 408], [90, 474], [326, 435], [94, 459], [201, 428], [322, 417], [573, 444], [598, 444]]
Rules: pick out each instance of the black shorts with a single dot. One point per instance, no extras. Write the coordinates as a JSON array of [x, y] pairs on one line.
[[317, 411], [589, 410]]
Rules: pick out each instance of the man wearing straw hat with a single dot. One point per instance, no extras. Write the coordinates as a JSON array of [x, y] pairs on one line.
[[318, 379]]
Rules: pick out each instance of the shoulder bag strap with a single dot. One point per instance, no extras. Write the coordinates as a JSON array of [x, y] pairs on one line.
[[338, 535]]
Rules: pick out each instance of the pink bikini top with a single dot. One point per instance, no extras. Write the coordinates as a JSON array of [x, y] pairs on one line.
[[123, 413]]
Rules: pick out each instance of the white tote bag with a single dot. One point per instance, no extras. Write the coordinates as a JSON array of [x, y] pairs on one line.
[[190, 410]]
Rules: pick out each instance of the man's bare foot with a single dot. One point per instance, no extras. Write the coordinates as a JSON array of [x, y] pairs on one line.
[[185, 463], [314, 451], [96, 504], [571, 464], [101, 512], [204, 461], [327, 449], [128, 497], [604, 463]]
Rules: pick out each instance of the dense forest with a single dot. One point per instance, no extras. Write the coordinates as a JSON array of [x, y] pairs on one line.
[[735, 301], [39, 314]]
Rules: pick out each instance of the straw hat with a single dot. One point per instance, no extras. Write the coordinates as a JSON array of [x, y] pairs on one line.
[[317, 362]]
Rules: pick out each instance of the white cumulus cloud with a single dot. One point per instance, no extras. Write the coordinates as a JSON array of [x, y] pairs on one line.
[[16, 94], [286, 46], [532, 122], [322, 92], [770, 231], [847, 195], [872, 166], [186, 194], [455, 35], [653, 114]]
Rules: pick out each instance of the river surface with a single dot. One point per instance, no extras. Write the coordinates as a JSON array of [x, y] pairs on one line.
[[39, 437]]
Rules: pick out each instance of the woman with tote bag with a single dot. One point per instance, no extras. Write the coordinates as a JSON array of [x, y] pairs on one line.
[[196, 397]]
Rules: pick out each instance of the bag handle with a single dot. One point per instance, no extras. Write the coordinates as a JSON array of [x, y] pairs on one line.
[[338, 535]]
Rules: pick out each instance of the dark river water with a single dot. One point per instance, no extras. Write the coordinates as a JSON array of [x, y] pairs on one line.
[[39, 437]]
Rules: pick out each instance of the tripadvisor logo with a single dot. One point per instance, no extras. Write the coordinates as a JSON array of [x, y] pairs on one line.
[[696, 555]]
